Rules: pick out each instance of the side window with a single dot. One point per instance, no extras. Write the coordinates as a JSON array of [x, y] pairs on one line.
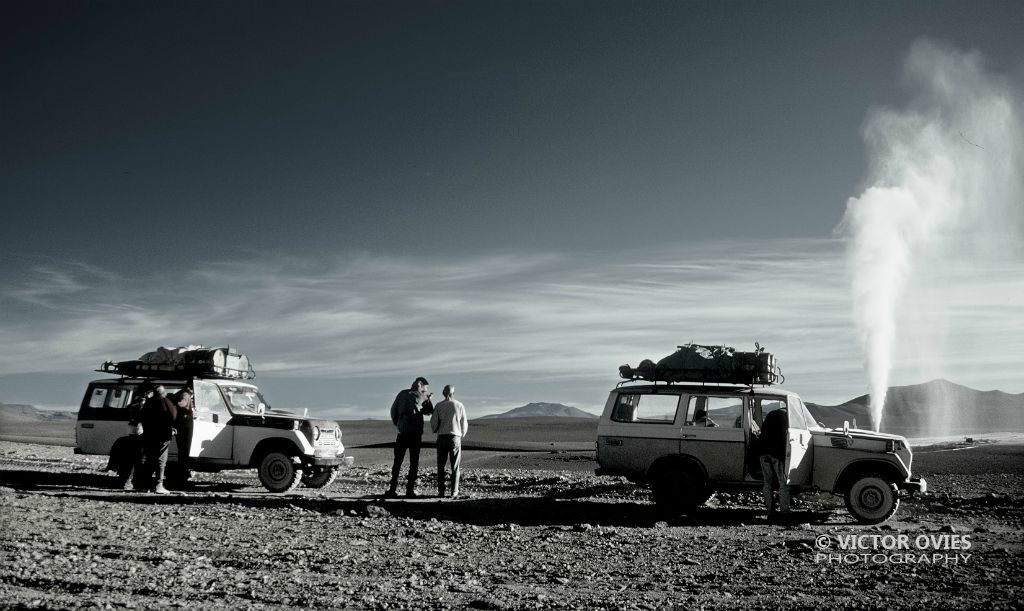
[[714, 411], [796, 417], [651, 409], [809, 420], [208, 397], [98, 396], [760, 406], [111, 397], [625, 408], [118, 397]]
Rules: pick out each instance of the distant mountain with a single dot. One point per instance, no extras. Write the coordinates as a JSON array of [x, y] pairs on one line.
[[939, 407], [28, 413], [534, 410]]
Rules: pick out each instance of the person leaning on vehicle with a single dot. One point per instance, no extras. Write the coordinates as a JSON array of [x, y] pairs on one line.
[[158, 416], [407, 413], [771, 447], [449, 423]]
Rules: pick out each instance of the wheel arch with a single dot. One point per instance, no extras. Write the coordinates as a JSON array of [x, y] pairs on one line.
[[267, 446], [677, 461], [860, 468]]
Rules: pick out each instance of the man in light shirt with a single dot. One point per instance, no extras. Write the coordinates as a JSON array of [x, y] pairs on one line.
[[450, 424]]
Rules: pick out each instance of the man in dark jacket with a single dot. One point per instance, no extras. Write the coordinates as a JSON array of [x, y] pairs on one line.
[[183, 403], [130, 469], [772, 445], [407, 413], [158, 416]]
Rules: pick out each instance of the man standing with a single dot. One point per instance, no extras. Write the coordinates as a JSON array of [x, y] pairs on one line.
[[131, 469], [772, 446], [158, 416], [450, 424], [183, 403], [407, 413]]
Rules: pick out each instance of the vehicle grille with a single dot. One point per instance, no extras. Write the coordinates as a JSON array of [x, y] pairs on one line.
[[327, 439]]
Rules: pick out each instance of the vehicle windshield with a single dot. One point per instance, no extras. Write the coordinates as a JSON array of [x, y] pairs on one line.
[[245, 398]]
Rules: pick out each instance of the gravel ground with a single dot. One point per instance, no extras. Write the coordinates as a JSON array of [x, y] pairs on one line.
[[540, 533]]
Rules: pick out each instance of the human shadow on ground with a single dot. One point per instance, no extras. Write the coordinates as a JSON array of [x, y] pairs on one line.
[[67, 481]]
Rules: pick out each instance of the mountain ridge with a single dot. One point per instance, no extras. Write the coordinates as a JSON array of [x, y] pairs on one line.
[[541, 409], [932, 408]]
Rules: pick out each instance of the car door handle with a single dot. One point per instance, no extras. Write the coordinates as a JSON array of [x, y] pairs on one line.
[[87, 425], [687, 435]]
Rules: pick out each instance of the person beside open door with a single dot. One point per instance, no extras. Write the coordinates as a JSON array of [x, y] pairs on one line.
[[772, 445]]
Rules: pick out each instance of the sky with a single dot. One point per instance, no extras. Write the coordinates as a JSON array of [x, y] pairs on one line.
[[513, 197]]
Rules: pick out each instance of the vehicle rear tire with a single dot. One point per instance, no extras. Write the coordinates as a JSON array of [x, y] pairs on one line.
[[321, 478], [872, 499], [278, 473], [678, 491]]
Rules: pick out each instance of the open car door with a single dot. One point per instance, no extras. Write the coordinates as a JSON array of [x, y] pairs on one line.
[[799, 452]]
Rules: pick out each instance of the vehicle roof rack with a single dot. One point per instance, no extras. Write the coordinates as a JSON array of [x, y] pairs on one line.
[[180, 363], [179, 371]]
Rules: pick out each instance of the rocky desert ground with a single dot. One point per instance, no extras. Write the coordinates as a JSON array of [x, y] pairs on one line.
[[536, 530]]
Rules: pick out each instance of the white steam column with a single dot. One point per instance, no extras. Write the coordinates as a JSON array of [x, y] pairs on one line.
[[945, 170]]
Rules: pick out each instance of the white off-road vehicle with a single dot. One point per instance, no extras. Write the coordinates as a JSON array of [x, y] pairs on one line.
[[689, 440], [233, 428]]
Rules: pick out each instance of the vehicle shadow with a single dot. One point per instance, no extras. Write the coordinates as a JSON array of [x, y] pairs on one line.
[[570, 511]]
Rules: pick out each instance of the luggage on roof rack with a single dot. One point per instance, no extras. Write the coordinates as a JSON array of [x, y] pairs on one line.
[[709, 364], [185, 362]]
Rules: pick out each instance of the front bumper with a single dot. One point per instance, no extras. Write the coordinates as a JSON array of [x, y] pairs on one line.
[[914, 484], [333, 461]]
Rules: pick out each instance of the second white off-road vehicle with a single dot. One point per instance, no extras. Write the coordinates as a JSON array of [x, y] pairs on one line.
[[689, 440]]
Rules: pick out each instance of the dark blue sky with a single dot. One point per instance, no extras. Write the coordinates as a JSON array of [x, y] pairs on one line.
[[513, 196], [387, 127]]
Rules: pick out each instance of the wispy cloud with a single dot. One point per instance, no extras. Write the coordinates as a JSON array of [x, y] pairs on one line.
[[569, 317]]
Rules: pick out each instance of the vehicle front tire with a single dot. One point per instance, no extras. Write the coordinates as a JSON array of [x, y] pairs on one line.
[[677, 491], [278, 473], [321, 478], [872, 499]]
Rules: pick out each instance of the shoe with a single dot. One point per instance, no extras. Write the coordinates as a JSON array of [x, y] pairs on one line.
[[159, 489], [390, 494]]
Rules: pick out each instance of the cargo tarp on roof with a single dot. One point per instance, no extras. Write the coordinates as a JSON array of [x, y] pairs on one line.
[[711, 364]]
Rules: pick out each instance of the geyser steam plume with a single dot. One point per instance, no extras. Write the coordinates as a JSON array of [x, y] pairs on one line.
[[945, 169]]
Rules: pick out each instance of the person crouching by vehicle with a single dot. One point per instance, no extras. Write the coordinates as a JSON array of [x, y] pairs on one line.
[[184, 424], [450, 424], [158, 416], [407, 413]]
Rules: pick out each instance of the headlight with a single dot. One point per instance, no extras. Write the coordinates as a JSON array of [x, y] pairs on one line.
[[316, 433]]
